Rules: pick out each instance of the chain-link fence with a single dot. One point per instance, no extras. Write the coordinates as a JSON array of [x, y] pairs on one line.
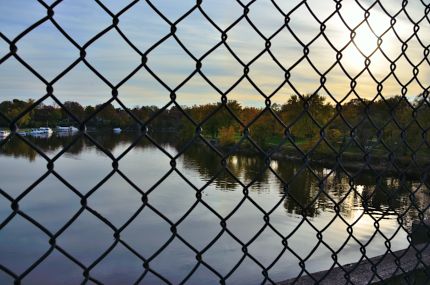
[[331, 130]]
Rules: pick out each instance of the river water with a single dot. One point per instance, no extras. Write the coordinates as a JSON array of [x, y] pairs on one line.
[[307, 204]]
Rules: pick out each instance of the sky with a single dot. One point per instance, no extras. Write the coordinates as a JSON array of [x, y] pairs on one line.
[[49, 52]]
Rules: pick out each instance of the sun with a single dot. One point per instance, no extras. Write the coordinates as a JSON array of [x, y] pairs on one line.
[[364, 49], [365, 41]]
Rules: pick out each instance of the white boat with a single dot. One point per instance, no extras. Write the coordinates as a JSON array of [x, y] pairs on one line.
[[117, 130], [70, 129], [41, 131], [73, 130], [4, 133], [62, 129], [66, 131], [46, 130]]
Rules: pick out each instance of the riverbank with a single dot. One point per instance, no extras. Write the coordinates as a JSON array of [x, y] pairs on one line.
[[351, 162]]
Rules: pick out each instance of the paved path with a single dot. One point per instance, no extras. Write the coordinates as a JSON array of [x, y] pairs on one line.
[[361, 273]]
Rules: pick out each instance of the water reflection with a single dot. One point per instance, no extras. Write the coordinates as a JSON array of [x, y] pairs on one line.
[[330, 200]]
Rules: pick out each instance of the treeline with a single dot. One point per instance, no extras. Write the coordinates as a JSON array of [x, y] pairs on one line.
[[51, 115], [304, 119]]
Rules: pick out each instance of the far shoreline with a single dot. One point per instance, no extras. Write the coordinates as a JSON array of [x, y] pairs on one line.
[[353, 163]]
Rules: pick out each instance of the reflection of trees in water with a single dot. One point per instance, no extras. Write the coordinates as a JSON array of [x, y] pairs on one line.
[[407, 198], [310, 193], [18, 148], [305, 193], [246, 168], [387, 195]]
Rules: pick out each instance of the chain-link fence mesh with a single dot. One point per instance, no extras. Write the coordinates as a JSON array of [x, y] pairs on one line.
[[404, 153]]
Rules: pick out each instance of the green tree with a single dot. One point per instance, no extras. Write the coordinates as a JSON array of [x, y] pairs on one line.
[[302, 111]]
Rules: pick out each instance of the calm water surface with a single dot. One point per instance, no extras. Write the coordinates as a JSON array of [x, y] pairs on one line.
[[52, 204]]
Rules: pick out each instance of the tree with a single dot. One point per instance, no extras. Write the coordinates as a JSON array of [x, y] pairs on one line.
[[227, 135], [302, 111], [75, 108], [12, 109]]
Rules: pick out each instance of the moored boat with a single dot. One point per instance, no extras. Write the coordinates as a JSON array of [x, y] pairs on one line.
[[42, 130], [70, 129], [117, 130]]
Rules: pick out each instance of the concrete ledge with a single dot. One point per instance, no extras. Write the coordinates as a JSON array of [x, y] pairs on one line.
[[361, 273]]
